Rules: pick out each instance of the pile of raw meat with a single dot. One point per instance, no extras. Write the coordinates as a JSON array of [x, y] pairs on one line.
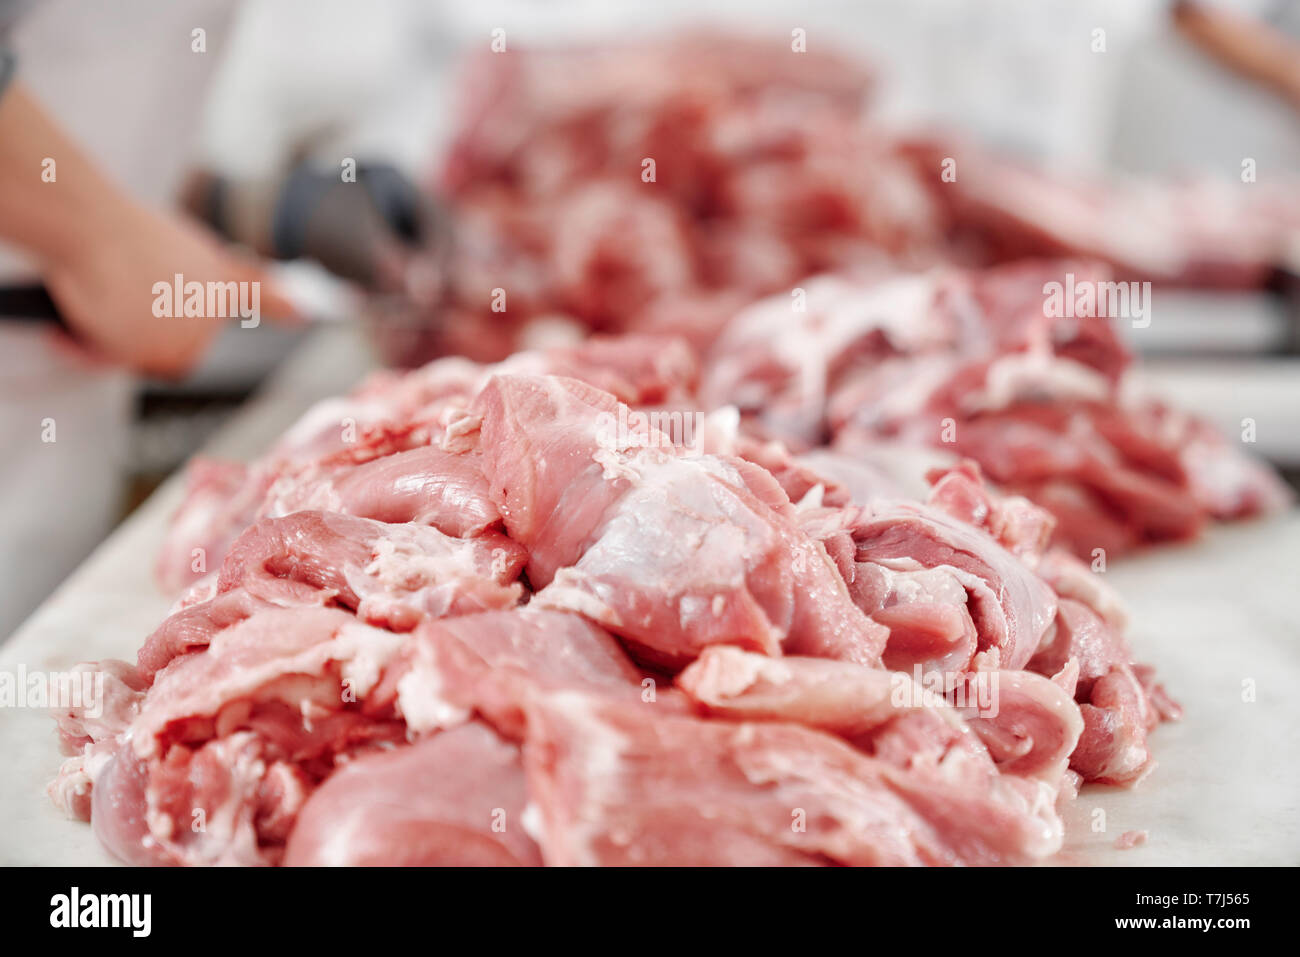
[[769, 166], [812, 579], [969, 364], [539, 612]]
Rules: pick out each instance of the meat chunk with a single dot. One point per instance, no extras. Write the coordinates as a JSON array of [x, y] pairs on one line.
[[489, 663], [227, 743], [426, 486], [1117, 711], [1026, 723], [391, 575], [452, 800], [671, 551], [842, 698], [898, 547], [616, 788]]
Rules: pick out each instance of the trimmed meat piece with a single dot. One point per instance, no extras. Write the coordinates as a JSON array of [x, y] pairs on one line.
[[1117, 711], [616, 788], [1028, 724], [452, 800], [227, 743], [839, 697], [1009, 606], [488, 663], [671, 551], [426, 486], [394, 576]]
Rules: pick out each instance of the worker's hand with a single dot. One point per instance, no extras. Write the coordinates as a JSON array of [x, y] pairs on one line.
[[108, 288]]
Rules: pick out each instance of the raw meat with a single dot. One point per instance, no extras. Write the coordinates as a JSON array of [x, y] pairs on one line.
[[768, 168], [725, 586], [390, 575], [487, 664], [972, 364], [223, 748], [615, 788], [349, 690], [670, 551], [315, 464], [454, 800]]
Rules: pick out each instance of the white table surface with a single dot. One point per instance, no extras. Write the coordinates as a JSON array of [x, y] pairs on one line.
[[1210, 615]]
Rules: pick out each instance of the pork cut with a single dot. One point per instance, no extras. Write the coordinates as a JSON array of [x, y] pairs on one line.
[[615, 788], [670, 551], [454, 800], [790, 564], [579, 638]]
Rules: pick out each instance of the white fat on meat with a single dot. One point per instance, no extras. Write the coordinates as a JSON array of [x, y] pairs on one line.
[[277, 655]]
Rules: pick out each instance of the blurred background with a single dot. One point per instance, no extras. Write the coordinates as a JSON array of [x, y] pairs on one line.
[[1080, 90]]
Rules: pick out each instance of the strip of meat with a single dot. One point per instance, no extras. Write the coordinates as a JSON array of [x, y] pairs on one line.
[[426, 486], [452, 800], [227, 743], [1031, 728], [613, 787], [1117, 711], [1008, 604], [840, 697], [391, 575], [1028, 724], [488, 663], [671, 551]]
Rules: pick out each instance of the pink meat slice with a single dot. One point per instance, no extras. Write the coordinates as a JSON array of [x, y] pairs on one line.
[[688, 558], [617, 787], [488, 663], [390, 575], [1071, 578], [842, 698], [540, 455], [1018, 525], [671, 551], [427, 486], [241, 732], [192, 627], [1118, 711], [298, 656], [455, 799], [1009, 606], [1027, 723]]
